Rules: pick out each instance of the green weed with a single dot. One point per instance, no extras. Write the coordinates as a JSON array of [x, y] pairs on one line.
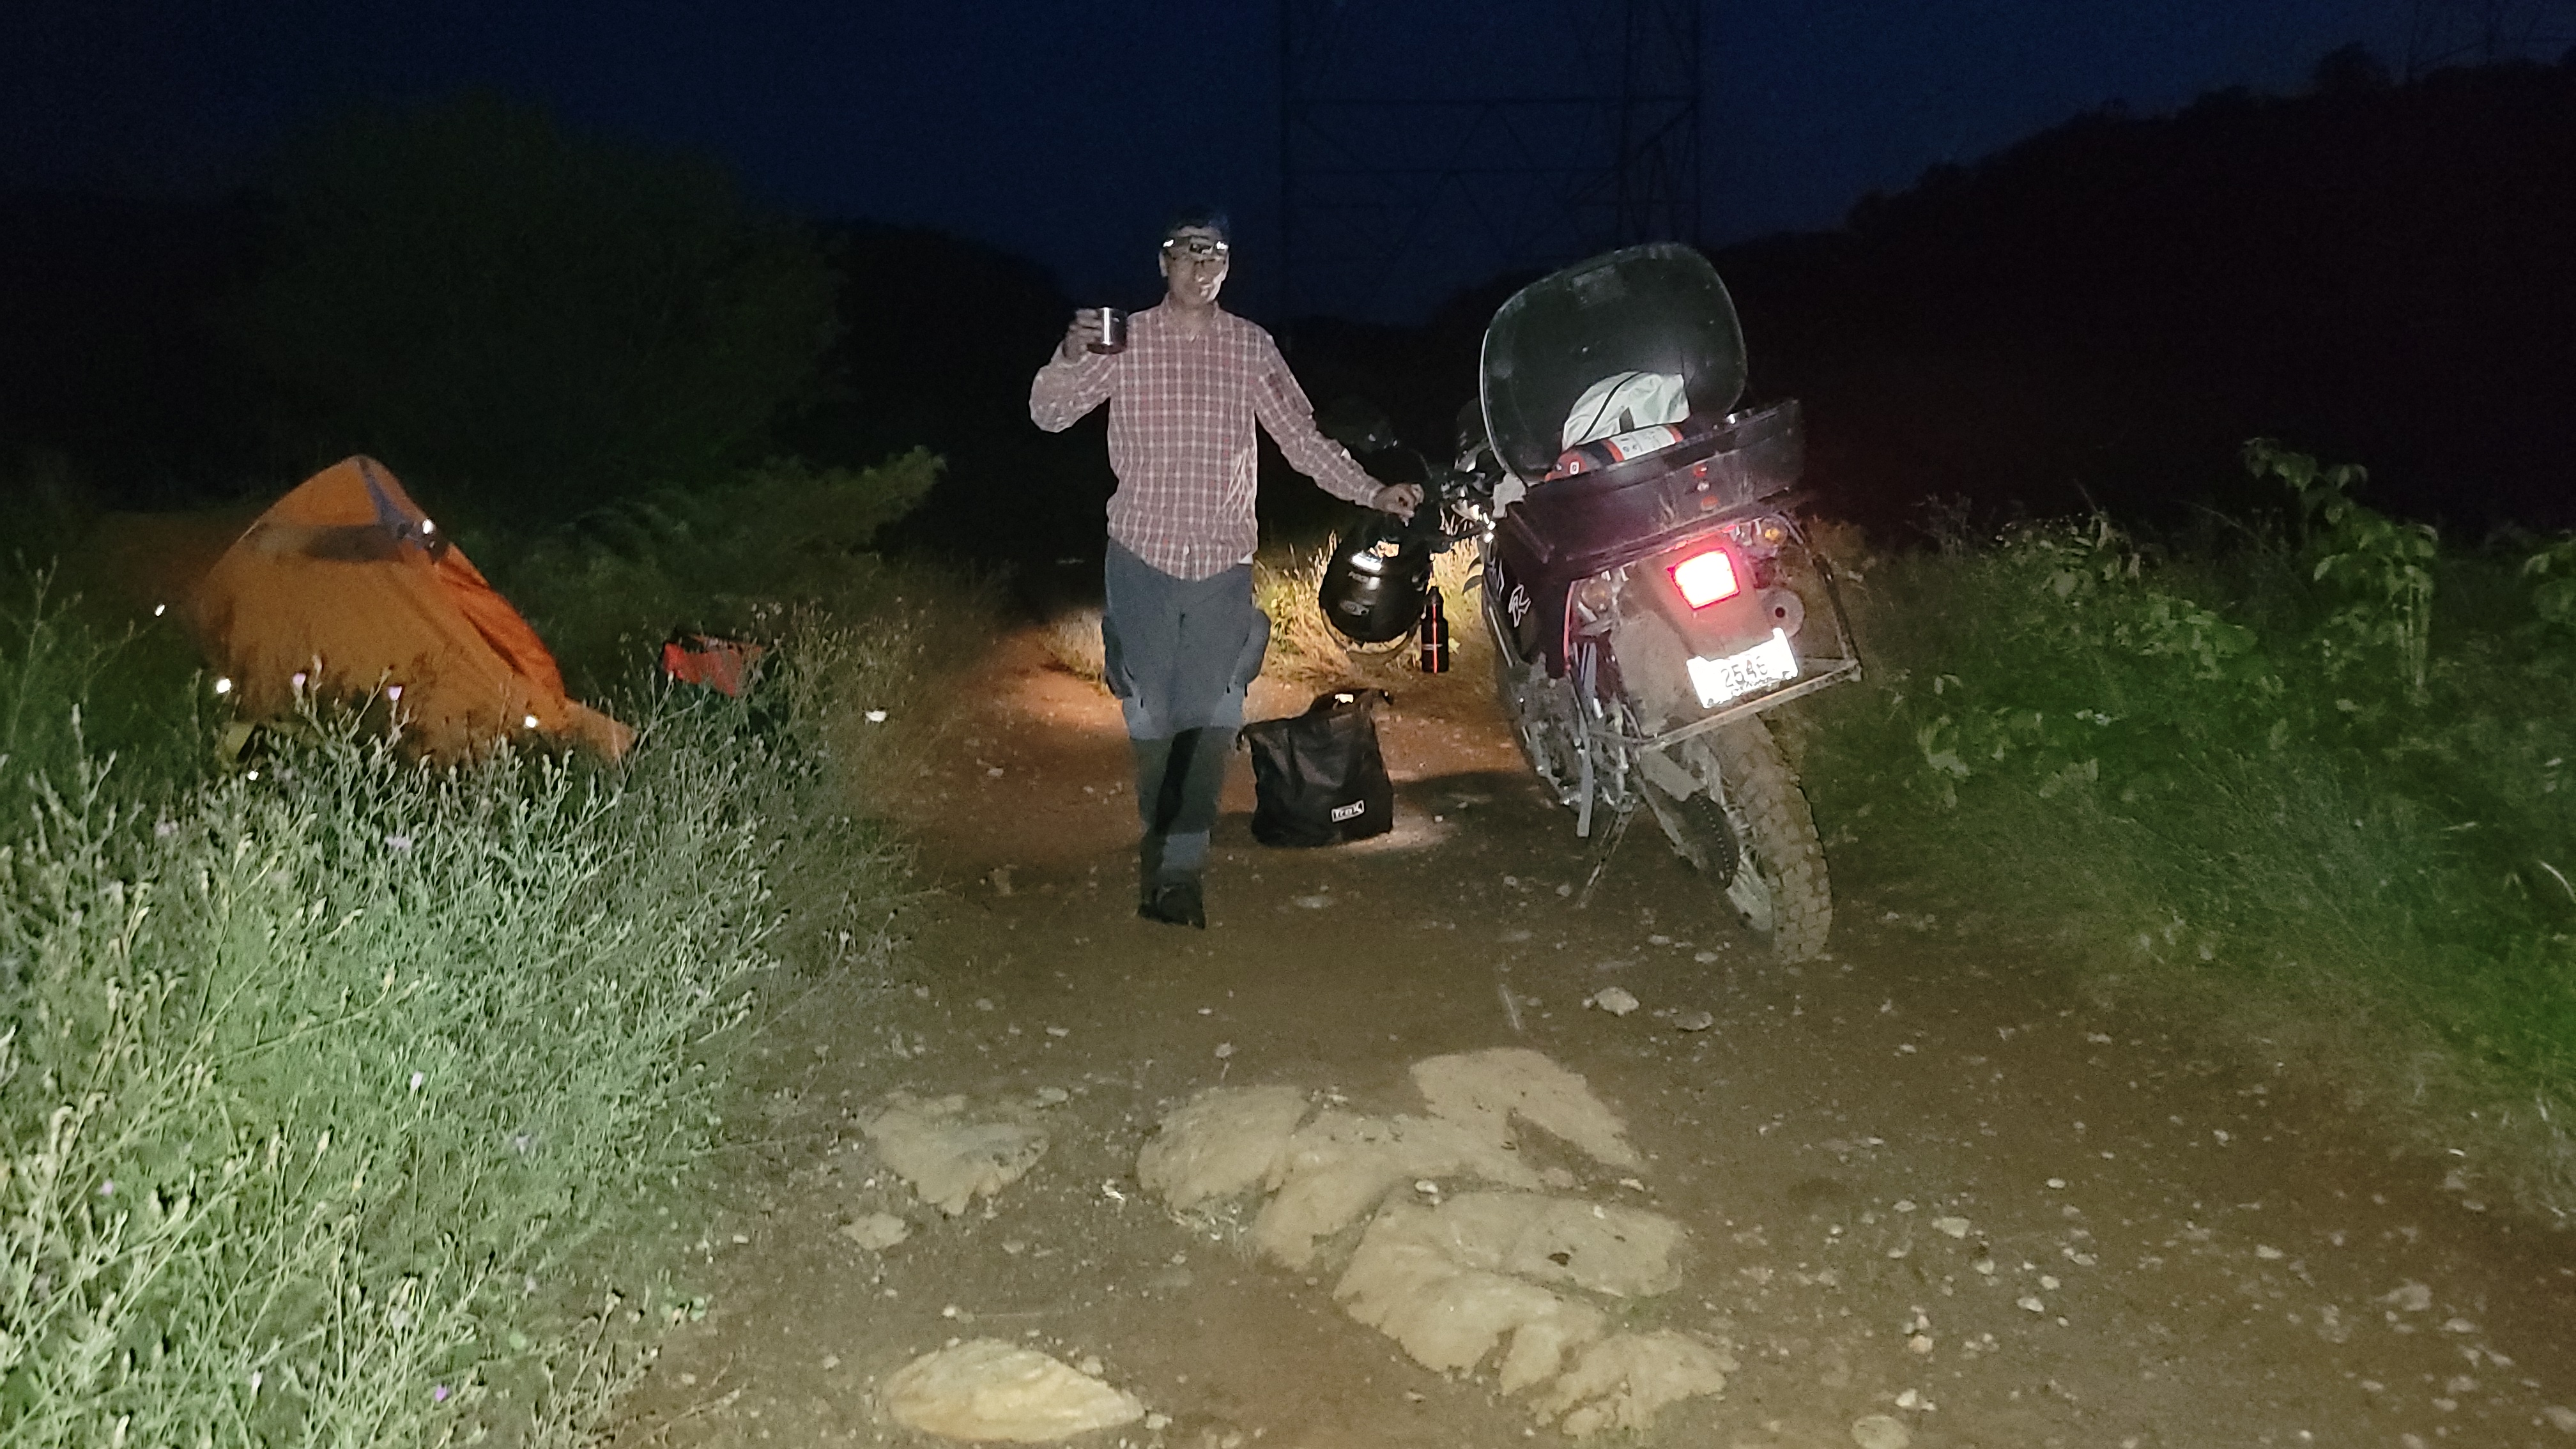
[[2253, 768], [337, 1090]]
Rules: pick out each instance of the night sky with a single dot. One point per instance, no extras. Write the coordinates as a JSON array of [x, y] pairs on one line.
[[1066, 131]]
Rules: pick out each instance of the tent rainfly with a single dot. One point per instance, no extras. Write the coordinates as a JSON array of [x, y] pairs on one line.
[[344, 589]]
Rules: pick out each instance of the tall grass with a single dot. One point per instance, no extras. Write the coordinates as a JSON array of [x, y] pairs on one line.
[[339, 1091], [733, 559], [1305, 649], [2305, 769]]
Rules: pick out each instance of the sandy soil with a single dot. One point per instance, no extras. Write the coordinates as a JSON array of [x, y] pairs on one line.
[[1922, 1178]]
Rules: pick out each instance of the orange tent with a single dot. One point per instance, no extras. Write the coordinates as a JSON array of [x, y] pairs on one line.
[[344, 588]]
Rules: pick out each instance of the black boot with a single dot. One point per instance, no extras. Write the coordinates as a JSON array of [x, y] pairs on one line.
[[1176, 903], [1177, 784], [1156, 786]]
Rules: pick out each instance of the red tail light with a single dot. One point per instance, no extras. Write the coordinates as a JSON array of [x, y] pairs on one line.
[[1705, 578]]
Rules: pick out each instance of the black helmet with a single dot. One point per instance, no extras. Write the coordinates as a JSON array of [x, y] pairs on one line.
[[1377, 580]]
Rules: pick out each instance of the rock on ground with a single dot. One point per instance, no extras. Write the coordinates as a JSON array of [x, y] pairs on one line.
[[1621, 1381], [1485, 1090], [1621, 1251], [1340, 1166], [1410, 1283], [1222, 1143], [948, 1158], [1450, 1282], [877, 1232], [1881, 1431], [988, 1389]]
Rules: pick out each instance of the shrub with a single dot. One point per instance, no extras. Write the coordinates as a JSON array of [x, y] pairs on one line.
[[2256, 767], [732, 558], [328, 1083]]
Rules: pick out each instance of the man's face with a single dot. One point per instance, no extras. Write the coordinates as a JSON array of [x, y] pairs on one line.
[[1194, 263]]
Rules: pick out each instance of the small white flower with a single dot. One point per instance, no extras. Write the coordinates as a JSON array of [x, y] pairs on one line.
[[223, 686], [417, 1078], [255, 1377], [164, 828], [393, 692]]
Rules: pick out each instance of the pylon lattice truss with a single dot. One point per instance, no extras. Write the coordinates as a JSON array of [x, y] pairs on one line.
[[1531, 141]]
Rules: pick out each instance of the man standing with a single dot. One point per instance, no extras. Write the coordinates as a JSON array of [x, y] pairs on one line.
[[1181, 638]]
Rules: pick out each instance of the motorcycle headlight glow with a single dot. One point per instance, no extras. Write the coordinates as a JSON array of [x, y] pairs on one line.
[[1706, 578]]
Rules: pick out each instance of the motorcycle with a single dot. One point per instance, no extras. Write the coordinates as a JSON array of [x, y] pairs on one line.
[[1648, 584]]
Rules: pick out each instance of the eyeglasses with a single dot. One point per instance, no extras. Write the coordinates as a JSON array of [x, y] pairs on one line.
[[1197, 246]]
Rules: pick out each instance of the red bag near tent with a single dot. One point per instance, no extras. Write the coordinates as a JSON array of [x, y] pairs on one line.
[[724, 665]]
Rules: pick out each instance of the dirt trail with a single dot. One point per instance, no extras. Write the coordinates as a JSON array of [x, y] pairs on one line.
[[1920, 1179]]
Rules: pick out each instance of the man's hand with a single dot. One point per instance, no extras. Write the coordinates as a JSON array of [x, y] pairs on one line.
[[1401, 500], [1079, 337]]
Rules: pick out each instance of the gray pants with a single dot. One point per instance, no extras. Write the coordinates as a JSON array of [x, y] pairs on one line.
[[1179, 654]]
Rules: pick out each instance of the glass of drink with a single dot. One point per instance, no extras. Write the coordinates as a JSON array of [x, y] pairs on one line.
[[1112, 332]]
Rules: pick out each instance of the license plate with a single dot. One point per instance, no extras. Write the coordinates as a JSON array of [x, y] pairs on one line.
[[1737, 675]]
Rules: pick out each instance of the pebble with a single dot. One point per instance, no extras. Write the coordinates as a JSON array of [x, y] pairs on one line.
[[1881, 1431], [877, 1231], [1616, 1000], [1955, 1227], [1696, 1021]]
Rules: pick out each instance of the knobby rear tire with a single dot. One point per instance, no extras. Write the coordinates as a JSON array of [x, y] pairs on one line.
[[1777, 835]]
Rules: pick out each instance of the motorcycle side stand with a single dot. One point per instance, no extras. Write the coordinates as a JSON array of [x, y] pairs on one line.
[[1610, 839]]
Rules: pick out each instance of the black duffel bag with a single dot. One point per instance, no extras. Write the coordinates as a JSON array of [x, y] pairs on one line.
[[1317, 777]]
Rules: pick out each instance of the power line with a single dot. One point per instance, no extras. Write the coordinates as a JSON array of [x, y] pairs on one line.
[[1535, 143], [2483, 32]]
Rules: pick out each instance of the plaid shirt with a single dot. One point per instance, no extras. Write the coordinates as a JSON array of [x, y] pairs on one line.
[[1180, 436]]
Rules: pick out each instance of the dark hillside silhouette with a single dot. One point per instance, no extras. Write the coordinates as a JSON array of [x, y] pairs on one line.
[[2375, 273], [939, 338], [107, 356], [2383, 274], [2103, 313]]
